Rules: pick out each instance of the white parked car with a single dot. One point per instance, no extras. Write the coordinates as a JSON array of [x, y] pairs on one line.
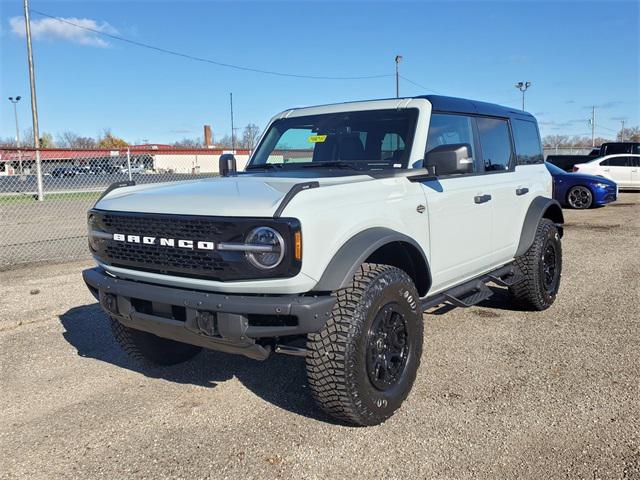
[[349, 221], [624, 169], [134, 169]]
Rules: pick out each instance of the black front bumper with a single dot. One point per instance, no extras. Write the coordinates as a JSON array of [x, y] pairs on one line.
[[226, 322]]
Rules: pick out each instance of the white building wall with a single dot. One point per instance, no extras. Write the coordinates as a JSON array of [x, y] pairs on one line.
[[192, 163]]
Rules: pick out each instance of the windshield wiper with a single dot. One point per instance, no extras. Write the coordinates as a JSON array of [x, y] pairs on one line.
[[330, 164], [265, 166]]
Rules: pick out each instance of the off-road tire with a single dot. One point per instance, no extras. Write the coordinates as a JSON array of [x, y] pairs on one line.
[[338, 359], [149, 350], [532, 292]]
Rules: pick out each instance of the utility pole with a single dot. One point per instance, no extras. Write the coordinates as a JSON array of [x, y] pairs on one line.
[[523, 86], [622, 131], [593, 126], [34, 102], [398, 60], [233, 132], [15, 113]]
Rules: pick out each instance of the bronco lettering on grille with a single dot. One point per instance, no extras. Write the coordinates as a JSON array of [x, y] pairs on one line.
[[164, 242]]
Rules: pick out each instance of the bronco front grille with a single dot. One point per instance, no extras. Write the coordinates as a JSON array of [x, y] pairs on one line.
[[207, 264]]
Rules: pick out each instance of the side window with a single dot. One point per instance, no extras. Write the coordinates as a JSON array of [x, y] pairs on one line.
[[528, 148], [449, 129], [616, 162], [495, 141]]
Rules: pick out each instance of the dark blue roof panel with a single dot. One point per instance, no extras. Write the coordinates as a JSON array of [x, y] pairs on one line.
[[461, 105]]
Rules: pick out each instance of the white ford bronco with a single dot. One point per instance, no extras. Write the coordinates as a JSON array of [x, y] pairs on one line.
[[349, 221]]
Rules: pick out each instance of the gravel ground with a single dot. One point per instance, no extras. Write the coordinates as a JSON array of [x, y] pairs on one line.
[[500, 393]]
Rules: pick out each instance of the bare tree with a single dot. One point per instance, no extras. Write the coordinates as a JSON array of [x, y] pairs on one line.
[[250, 136], [631, 134], [189, 143], [225, 142], [73, 140]]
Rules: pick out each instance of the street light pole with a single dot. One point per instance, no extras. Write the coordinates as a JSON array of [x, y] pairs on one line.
[[15, 113], [523, 86], [233, 133], [34, 102], [398, 60]]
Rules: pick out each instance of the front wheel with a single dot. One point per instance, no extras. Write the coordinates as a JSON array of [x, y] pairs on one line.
[[542, 269], [580, 198], [362, 364]]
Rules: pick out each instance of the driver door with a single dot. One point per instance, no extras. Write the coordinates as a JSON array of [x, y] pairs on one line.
[[459, 208]]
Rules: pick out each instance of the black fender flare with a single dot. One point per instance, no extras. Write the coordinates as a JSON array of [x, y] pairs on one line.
[[540, 207], [355, 251]]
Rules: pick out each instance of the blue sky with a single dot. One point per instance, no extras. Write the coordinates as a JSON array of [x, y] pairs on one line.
[[576, 54]]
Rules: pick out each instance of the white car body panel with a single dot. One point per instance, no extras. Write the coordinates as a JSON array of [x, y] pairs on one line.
[[625, 177]]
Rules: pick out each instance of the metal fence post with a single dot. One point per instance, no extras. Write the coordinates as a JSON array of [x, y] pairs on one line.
[[129, 163]]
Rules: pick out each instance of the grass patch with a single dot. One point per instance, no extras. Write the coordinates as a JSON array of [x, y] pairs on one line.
[[14, 199]]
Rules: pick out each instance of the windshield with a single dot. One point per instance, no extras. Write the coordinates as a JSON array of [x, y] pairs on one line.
[[362, 140]]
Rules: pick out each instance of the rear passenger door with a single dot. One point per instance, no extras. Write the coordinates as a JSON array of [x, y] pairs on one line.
[[509, 187], [618, 169]]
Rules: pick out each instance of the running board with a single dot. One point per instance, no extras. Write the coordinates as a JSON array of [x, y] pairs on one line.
[[475, 291]]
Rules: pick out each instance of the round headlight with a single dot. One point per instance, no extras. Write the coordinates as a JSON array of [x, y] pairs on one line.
[[264, 248]]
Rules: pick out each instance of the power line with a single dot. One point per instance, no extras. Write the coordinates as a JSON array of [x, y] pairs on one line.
[[421, 86], [208, 60]]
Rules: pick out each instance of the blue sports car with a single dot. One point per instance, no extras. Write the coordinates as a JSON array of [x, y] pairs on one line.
[[578, 190]]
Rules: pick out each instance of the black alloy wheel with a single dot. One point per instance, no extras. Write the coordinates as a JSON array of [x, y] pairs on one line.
[[387, 347]]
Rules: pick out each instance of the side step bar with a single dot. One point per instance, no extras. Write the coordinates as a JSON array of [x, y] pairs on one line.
[[476, 290]]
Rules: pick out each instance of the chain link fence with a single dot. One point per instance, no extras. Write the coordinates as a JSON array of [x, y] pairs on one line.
[[55, 229]]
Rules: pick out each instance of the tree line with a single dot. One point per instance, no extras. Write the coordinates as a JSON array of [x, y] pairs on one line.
[[107, 139], [631, 134], [249, 137]]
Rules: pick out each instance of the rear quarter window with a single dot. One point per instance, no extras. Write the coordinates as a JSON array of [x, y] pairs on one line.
[[528, 147]]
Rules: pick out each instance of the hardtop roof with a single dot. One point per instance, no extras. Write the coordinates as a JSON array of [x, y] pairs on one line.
[[439, 103], [462, 105]]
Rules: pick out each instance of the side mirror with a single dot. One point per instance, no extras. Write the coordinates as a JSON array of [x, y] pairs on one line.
[[227, 164], [450, 159]]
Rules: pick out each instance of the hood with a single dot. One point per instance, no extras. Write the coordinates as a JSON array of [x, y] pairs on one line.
[[241, 196], [585, 177]]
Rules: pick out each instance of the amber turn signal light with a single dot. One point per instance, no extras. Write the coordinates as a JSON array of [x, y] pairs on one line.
[[297, 242]]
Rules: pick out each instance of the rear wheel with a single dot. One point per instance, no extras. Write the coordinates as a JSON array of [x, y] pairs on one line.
[[542, 269], [362, 364], [580, 197], [150, 350]]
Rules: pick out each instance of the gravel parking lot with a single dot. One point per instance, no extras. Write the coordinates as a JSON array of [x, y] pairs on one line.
[[500, 393]]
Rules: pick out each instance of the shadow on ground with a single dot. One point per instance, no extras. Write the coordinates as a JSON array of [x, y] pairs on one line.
[[280, 380]]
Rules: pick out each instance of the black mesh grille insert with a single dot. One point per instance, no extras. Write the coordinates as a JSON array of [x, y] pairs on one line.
[[190, 262]]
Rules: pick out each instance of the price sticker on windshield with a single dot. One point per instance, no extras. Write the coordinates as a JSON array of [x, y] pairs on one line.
[[317, 138]]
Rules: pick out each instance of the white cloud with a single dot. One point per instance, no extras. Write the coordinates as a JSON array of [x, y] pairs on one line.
[[55, 30]]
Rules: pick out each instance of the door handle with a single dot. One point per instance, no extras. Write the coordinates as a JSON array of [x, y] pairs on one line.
[[481, 198], [522, 191]]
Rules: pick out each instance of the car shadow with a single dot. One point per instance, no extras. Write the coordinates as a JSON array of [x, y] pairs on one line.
[[279, 380], [502, 300]]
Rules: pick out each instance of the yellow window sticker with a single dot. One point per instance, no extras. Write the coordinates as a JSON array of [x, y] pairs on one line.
[[317, 138]]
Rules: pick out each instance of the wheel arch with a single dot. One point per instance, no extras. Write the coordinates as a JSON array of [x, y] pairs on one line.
[[540, 207], [377, 245]]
